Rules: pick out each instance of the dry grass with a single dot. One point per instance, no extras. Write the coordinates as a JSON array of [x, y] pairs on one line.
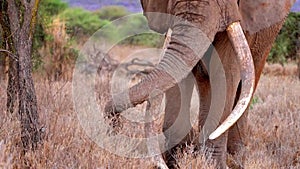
[[274, 121], [290, 69], [273, 140]]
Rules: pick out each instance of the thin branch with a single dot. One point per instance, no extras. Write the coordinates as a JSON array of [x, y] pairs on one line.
[[137, 62], [10, 54], [34, 11], [146, 66]]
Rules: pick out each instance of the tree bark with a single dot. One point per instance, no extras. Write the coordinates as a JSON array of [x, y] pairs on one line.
[[7, 44], [298, 56], [298, 66], [18, 19]]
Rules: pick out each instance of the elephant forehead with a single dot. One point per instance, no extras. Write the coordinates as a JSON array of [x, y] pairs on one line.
[[155, 5], [261, 14], [209, 11]]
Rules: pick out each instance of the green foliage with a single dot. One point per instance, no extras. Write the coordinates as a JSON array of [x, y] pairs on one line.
[[132, 26], [285, 46], [111, 12], [147, 39], [81, 22], [126, 31], [255, 100], [47, 10], [50, 8]]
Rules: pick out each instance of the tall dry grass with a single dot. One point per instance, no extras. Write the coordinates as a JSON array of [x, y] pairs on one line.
[[274, 121], [273, 139]]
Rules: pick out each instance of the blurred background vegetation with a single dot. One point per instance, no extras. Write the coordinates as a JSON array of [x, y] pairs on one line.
[[62, 30], [287, 45]]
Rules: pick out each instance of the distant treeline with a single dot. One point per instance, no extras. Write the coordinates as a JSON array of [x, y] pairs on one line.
[[131, 5], [62, 29]]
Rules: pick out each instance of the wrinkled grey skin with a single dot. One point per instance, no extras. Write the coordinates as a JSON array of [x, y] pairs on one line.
[[261, 21]]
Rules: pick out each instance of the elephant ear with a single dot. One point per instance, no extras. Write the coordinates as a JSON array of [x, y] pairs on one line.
[[156, 14], [260, 14]]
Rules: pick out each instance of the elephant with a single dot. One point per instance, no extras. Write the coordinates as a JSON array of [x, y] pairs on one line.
[[241, 32]]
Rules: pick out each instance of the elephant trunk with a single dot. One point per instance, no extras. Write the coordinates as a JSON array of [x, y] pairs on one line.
[[188, 44], [178, 61], [186, 47], [242, 50]]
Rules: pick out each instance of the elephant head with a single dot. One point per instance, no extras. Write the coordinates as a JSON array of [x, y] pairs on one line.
[[194, 22]]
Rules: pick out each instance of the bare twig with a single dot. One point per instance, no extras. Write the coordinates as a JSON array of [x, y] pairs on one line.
[[10, 54], [138, 62]]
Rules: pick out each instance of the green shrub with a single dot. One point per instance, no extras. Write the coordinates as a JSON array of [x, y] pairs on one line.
[[255, 100], [136, 24], [112, 12], [126, 32], [147, 39], [285, 46], [47, 10], [81, 22], [52, 7]]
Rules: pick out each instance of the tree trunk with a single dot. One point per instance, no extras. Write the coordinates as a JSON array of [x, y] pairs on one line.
[[19, 17], [8, 45], [3, 57], [298, 55], [299, 67], [12, 86], [27, 98]]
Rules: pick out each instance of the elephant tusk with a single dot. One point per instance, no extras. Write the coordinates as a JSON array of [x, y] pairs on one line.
[[242, 50], [167, 41]]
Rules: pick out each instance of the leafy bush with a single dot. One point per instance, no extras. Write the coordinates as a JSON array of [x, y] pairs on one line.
[[60, 27], [47, 10], [139, 22], [111, 12], [81, 22], [149, 40], [285, 46], [52, 7], [146, 39], [126, 32]]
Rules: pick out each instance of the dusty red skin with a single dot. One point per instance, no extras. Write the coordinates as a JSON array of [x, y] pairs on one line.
[[212, 17]]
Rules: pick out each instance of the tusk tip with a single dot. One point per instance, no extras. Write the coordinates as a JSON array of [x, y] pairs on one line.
[[214, 135]]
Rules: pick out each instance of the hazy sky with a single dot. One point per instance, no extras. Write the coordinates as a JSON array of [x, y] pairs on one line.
[[131, 5]]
